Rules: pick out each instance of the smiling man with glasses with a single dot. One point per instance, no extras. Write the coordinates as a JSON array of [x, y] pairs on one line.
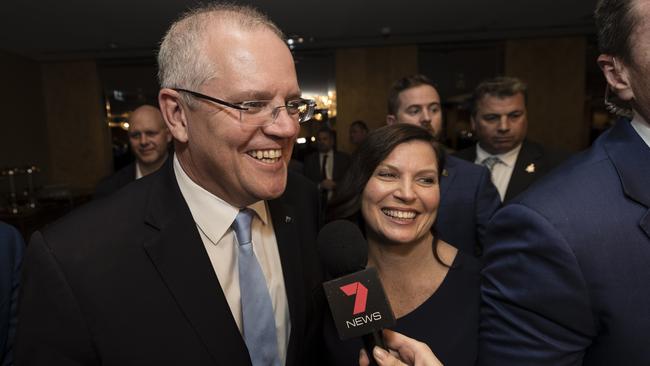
[[214, 263]]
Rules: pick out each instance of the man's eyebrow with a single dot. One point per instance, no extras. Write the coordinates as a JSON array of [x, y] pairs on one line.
[[264, 95], [413, 106], [295, 95], [423, 104], [254, 95]]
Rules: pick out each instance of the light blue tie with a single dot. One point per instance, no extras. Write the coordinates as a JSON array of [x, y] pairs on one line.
[[257, 310]]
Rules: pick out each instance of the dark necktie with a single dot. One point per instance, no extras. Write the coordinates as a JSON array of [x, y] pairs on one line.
[[257, 310], [323, 167]]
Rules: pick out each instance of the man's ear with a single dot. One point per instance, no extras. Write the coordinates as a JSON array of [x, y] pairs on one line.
[[617, 75], [472, 123], [391, 119], [173, 113]]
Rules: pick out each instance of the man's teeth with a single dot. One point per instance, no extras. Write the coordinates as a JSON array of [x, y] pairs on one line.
[[266, 155], [399, 214]]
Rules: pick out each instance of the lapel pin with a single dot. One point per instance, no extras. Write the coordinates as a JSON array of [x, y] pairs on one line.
[[288, 219], [530, 168], [445, 173]]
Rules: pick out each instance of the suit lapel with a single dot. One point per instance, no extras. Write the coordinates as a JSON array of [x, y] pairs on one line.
[[179, 256], [524, 171], [286, 235], [630, 156]]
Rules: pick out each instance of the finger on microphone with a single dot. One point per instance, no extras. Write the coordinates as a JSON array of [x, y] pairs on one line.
[[363, 358], [382, 358], [411, 351]]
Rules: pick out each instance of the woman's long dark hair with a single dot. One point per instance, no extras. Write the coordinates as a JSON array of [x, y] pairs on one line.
[[346, 202]]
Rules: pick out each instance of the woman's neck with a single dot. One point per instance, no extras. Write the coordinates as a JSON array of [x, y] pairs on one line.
[[400, 257]]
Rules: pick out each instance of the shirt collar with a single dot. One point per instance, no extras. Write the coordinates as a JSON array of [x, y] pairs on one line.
[[138, 171], [212, 215], [641, 127], [508, 158]]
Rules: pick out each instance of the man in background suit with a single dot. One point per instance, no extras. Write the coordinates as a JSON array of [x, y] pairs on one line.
[[211, 261], [327, 166], [499, 120], [468, 198], [567, 274], [149, 139], [11, 258]]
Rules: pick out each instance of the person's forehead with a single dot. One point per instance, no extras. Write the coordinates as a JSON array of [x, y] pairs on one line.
[[421, 94], [426, 153], [247, 60], [145, 121]]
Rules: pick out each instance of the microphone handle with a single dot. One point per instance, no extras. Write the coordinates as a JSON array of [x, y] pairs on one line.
[[371, 340]]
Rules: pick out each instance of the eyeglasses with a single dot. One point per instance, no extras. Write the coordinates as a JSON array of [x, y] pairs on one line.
[[261, 112]]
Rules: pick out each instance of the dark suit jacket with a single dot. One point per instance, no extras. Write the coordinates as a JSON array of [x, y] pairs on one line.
[[127, 281], [115, 181], [11, 257], [532, 154], [567, 265], [313, 171], [468, 199]]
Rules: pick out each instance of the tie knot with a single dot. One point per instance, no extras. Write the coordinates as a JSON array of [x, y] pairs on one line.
[[490, 162], [242, 226]]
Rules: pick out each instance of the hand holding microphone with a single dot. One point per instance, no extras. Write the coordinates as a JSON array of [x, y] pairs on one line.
[[410, 351]]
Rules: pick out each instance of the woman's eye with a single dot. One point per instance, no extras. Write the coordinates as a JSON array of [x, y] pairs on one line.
[[428, 181], [386, 175]]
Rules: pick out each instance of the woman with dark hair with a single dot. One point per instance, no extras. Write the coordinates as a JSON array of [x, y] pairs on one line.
[[391, 191]]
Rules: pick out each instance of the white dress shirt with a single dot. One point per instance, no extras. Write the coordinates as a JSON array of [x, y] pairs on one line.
[[329, 164], [329, 167], [641, 127], [213, 217], [138, 171], [501, 171]]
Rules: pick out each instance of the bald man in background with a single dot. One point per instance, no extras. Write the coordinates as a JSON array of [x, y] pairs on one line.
[[149, 139]]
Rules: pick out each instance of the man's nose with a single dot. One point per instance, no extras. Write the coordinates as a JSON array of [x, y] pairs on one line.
[[504, 124], [284, 125], [426, 115]]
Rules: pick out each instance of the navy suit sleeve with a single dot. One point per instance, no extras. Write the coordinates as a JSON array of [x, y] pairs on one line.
[[487, 203], [52, 329], [11, 256], [535, 307]]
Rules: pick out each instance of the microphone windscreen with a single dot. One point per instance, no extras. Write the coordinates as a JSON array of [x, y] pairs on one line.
[[342, 248]]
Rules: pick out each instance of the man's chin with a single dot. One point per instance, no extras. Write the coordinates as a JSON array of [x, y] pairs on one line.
[[272, 192], [148, 160]]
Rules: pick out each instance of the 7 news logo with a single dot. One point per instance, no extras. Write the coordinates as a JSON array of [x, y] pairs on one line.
[[360, 292]]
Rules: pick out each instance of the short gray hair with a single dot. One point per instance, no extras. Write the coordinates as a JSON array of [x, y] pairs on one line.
[[182, 63]]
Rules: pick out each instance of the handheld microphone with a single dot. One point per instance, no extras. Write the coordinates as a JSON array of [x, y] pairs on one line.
[[356, 296]]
